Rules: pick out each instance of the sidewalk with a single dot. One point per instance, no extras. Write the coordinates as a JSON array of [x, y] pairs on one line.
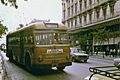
[[1, 68], [100, 56]]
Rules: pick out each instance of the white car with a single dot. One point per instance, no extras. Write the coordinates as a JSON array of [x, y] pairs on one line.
[[117, 62], [79, 55]]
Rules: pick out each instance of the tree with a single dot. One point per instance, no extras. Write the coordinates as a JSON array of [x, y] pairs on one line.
[[3, 30], [10, 2], [83, 41], [100, 36], [73, 40]]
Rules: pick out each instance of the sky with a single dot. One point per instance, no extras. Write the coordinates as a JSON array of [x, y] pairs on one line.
[[29, 10]]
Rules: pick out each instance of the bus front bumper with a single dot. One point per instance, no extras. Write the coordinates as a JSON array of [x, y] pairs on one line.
[[49, 66]]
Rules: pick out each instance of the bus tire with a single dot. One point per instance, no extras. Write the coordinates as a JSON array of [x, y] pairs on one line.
[[11, 56], [28, 63]]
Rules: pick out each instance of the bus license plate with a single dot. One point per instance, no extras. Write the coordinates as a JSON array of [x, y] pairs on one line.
[[54, 51]]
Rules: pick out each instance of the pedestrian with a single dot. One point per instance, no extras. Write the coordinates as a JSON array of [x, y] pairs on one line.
[[107, 51], [96, 51]]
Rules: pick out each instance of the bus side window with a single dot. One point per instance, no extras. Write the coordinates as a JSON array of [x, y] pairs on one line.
[[38, 39], [16, 40], [43, 39], [30, 39], [26, 40]]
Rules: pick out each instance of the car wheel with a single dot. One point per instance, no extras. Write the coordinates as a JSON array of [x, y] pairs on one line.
[[60, 68], [73, 59], [85, 61], [118, 66]]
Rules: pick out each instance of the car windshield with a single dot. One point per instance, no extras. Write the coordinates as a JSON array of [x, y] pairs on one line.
[[76, 50]]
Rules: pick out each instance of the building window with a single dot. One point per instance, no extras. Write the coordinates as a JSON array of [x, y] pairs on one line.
[[98, 1], [111, 8], [104, 8], [90, 16], [71, 23], [68, 2], [64, 14], [76, 22], [97, 12], [85, 3], [80, 2], [85, 16], [68, 24], [69, 12], [72, 1], [90, 2], [72, 10], [80, 19], [75, 8]]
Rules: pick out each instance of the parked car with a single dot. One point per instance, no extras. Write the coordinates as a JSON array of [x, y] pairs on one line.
[[117, 62], [79, 55]]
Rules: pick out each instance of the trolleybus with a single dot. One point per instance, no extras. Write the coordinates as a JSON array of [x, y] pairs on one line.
[[39, 46]]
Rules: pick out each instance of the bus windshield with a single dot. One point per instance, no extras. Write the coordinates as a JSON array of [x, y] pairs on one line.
[[51, 38]]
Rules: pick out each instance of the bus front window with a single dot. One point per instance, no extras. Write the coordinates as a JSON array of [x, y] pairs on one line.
[[55, 37], [43, 39], [60, 38], [51, 38]]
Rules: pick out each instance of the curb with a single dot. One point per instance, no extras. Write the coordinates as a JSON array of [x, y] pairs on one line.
[[2, 68], [3, 75]]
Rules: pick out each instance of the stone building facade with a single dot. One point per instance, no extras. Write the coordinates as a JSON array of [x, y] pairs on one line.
[[85, 16]]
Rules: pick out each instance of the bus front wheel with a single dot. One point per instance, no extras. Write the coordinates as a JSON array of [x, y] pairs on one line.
[[28, 63]]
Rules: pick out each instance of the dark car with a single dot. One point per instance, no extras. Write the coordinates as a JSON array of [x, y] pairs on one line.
[[79, 55]]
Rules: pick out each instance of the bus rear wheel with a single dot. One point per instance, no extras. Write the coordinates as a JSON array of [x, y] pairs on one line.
[[28, 63]]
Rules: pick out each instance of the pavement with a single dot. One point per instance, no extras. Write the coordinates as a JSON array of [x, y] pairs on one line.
[[2, 73], [97, 76], [100, 56]]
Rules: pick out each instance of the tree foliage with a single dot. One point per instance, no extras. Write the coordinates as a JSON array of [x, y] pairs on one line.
[[10, 2], [3, 29], [101, 35], [83, 41]]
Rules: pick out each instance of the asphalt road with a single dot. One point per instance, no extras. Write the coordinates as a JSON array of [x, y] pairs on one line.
[[78, 71]]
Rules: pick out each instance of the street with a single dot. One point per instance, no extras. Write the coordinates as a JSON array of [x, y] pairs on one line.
[[78, 71]]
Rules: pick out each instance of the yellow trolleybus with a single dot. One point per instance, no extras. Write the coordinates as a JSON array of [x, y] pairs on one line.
[[39, 46]]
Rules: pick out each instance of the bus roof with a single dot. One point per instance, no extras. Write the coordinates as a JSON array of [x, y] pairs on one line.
[[42, 25]]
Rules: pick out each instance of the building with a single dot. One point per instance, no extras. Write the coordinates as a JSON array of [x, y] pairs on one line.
[[84, 17]]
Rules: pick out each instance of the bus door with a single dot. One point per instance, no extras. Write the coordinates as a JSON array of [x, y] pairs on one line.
[[21, 47]]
